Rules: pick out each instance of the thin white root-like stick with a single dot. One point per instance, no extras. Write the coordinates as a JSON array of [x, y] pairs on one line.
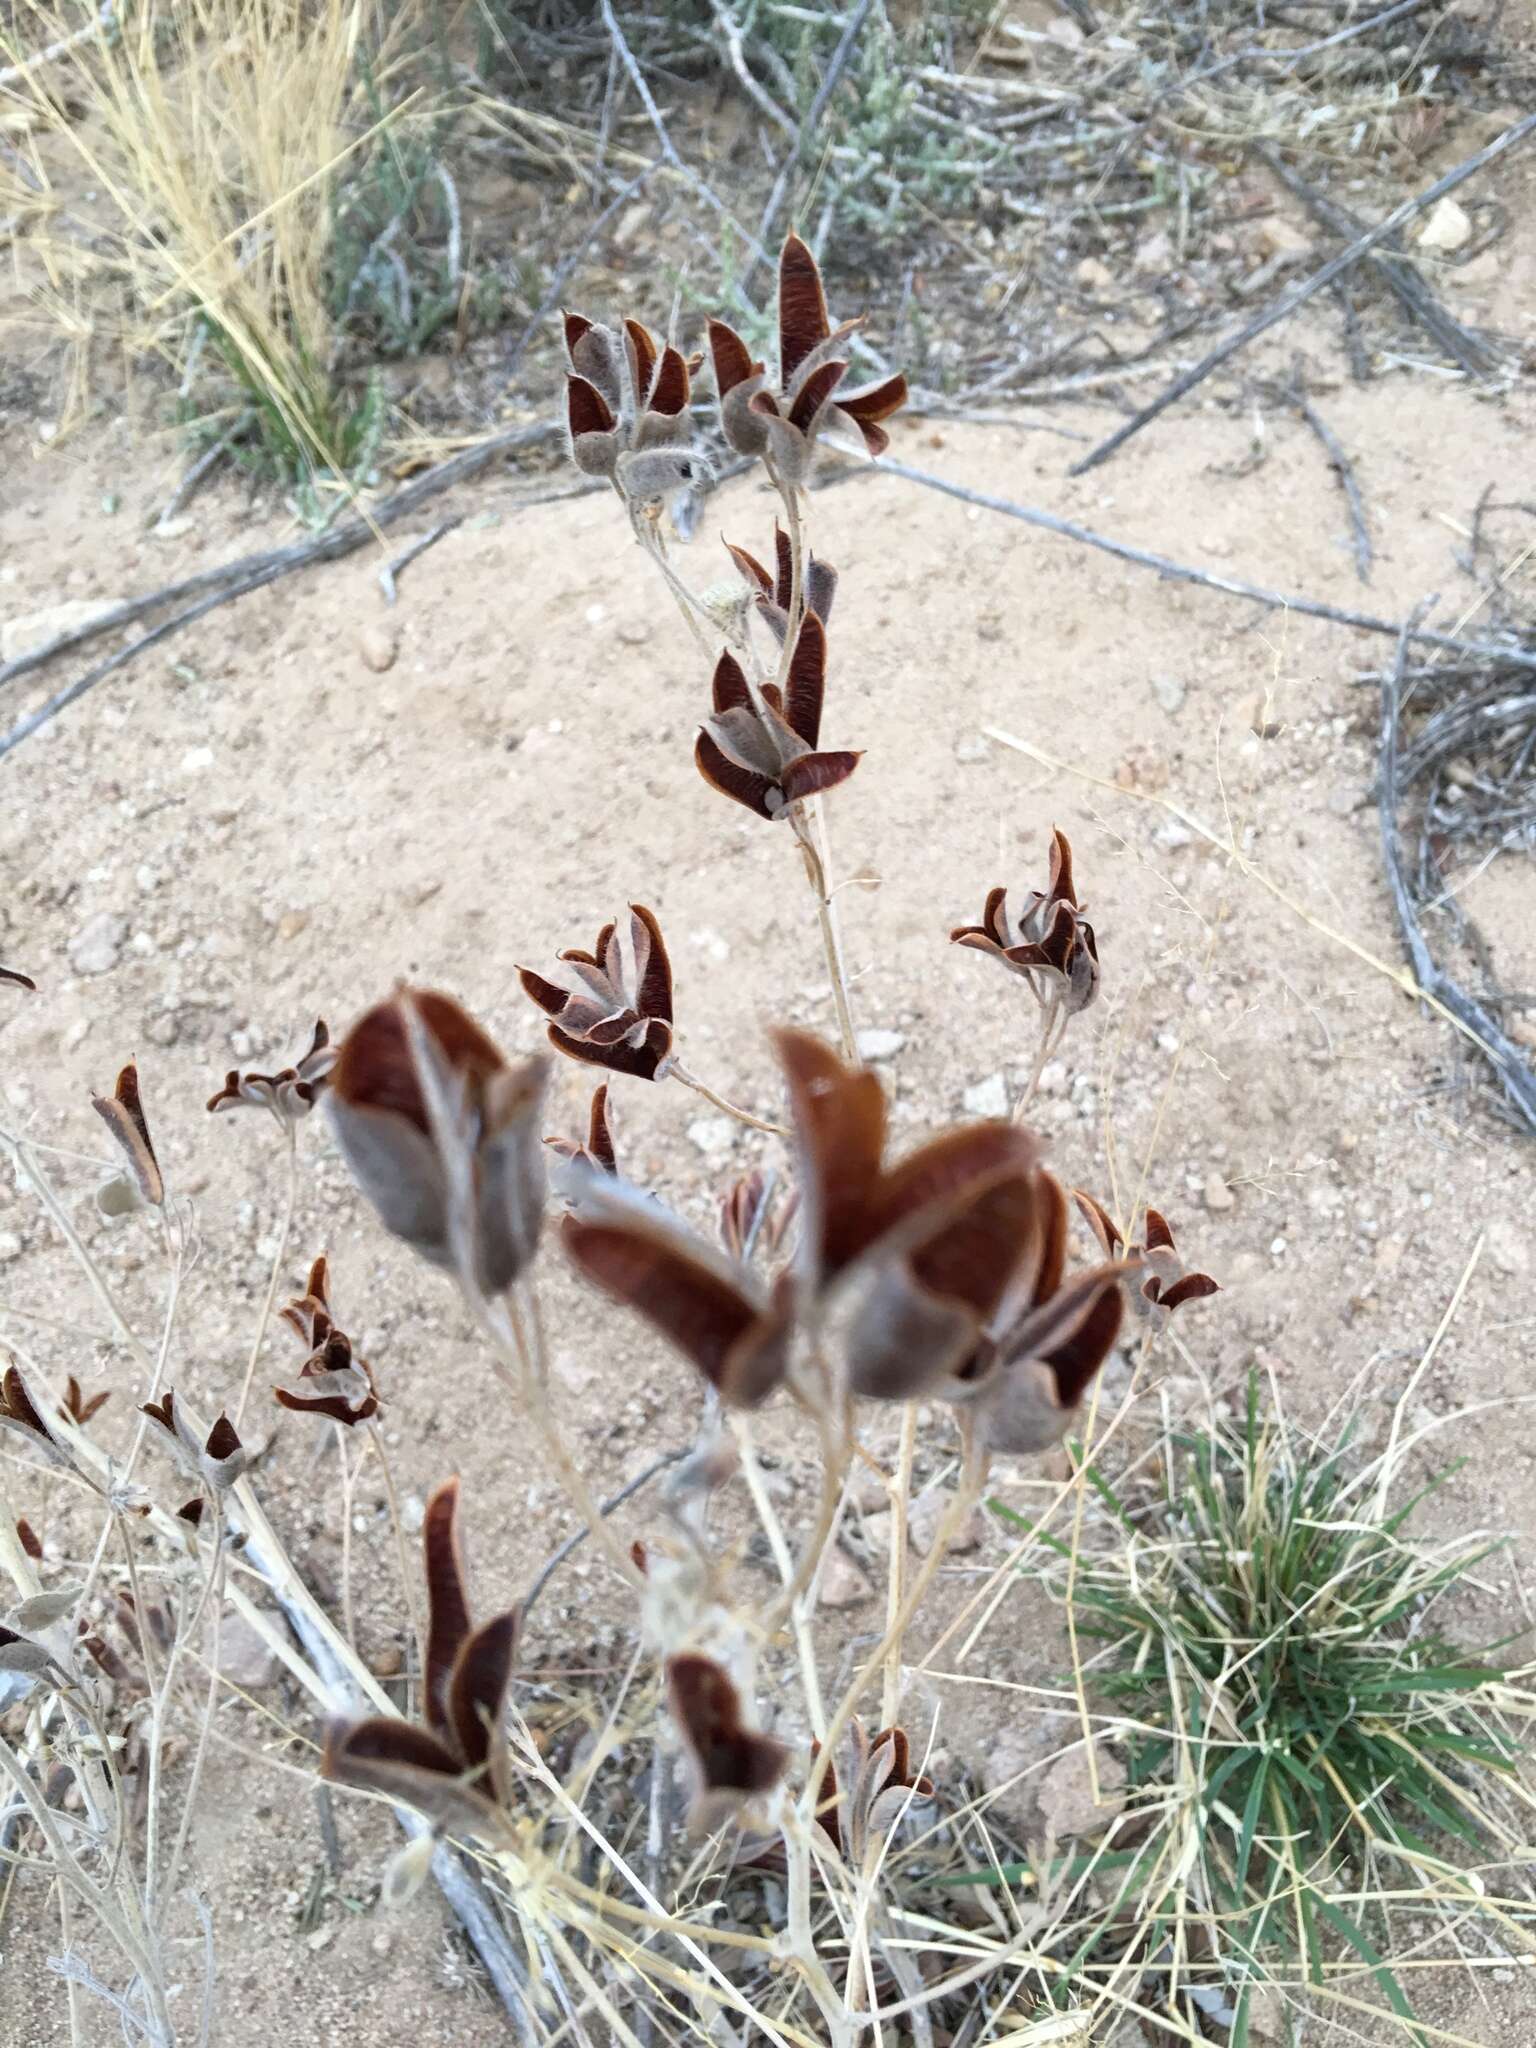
[[274, 1280]]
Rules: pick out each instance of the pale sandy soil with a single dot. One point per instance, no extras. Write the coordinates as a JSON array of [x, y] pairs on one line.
[[283, 832]]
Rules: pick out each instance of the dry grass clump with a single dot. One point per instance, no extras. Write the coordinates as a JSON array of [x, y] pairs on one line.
[[256, 199]]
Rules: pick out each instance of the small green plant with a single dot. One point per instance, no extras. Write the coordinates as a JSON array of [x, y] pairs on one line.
[[1315, 1746]]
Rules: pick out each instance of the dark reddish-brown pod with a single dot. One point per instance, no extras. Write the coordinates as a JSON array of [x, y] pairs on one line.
[[1050, 944], [441, 1133], [456, 1768], [763, 748], [612, 1006], [729, 1763], [785, 423]]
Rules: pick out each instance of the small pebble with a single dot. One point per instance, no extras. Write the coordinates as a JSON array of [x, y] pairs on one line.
[[95, 947], [714, 1135], [1216, 1195], [842, 1583], [378, 646], [988, 1098], [878, 1043]]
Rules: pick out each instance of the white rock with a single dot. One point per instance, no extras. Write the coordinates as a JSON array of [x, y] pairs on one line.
[[10, 1246], [972, 748], [1507, 1246], [95, 947], [245, 1657], [1171, 835], [879, 1044], [196, 759], [842, 1583], [1066, 31], [714, 1135], [1448, 227], [1216, 1195], [1053, 1078], [1155, 253], [1010, 1763], [20, 636], [988, 1098], [378, 646], [413, 1512], [1067, 1805], [1279, 237], [1170, 692], [925, 1514]]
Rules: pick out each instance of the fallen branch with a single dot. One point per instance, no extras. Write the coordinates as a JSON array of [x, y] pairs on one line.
[[1395, 268], [1502, 1054], [1295, 395], [1232, 586], [248, 570], [1290, 301], [407, 555]]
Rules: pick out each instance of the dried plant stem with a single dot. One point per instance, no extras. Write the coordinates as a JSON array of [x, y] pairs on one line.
[[275, 1278], [653, 543], [211, 1596], [799, 1940], [407, 1576], [966, 1494], [1053, 1029], [348, 1476], [805, 817], [890, 1696], [519, 1370], [679, 1072]]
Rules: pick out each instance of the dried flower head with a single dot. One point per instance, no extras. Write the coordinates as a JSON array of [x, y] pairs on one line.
[[123, 1114], [1168, 1282], [334, 1382], [760, 746], [750, 1220], [615, 1009], [729, 1763], [772, 593], [289, 1095], [21, 1416], [627, 400], [216, 1460], [18, 979], [877, 1790], [784, 424], [713, 1310], [76, 1408], [456, 1769], [1051, 944], [442, 1135], [1028, 1378], [851, 1202], [580, 1168]]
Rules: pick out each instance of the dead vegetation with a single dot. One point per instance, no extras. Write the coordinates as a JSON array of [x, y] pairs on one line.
[[1068, 208]]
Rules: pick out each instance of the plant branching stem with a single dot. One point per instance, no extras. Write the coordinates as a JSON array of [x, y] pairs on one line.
[[743, 1116], [275, 1278]]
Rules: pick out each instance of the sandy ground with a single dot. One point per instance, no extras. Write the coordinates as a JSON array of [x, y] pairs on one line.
[[255, 827]]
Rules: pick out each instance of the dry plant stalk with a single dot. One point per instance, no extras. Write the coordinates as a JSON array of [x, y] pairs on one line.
[[941, 1276]]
